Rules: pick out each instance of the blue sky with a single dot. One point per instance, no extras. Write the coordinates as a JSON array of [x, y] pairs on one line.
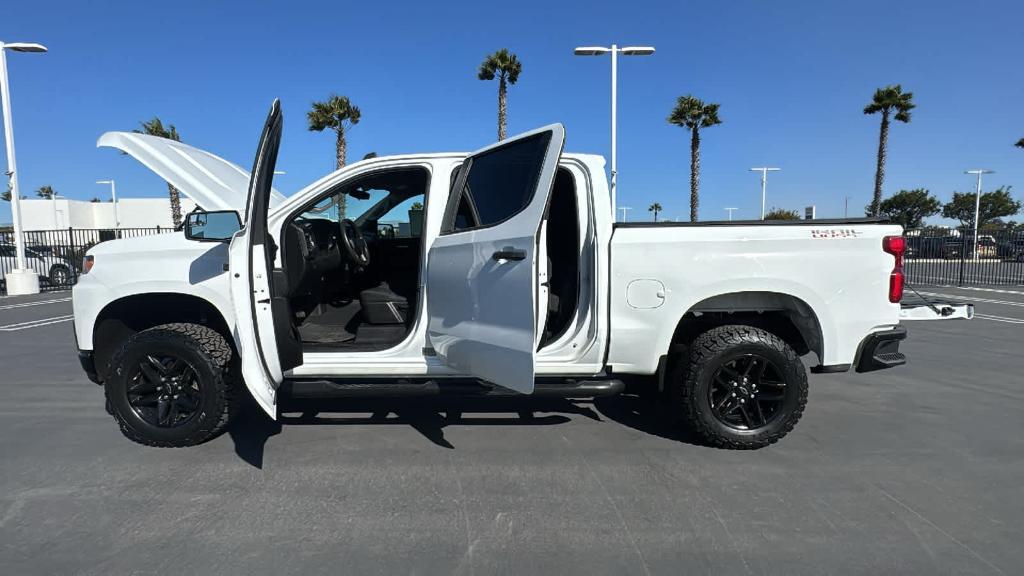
[[792, 79]]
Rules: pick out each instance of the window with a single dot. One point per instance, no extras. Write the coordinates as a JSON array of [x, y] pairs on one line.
[[386, 204], [404, 220], [500, 183]]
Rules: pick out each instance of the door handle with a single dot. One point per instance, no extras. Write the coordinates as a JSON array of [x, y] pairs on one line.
[[509, 254]]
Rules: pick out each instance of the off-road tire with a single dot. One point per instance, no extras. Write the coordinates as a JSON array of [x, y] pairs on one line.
[[693, 370], [210, 356]]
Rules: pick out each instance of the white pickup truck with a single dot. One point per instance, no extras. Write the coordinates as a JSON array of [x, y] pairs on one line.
[[496, 273]]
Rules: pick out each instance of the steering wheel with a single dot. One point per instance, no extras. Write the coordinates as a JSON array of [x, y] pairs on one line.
[[353, 246]]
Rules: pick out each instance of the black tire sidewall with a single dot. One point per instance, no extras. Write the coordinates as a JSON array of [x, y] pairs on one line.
[[209, 375]]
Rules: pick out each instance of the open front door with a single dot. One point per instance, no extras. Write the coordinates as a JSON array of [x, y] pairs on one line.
[[485, 291], [264, 335]]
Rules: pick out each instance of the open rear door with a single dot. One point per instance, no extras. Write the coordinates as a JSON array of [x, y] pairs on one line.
[[265, 337], [484, 287]]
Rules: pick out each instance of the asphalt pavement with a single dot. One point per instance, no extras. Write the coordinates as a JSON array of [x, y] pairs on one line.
[[918, 469]]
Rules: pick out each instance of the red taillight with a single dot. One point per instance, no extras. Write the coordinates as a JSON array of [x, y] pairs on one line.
[[87, 263], [895, 245]]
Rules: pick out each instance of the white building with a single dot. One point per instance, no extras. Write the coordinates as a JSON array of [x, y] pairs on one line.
[[62, 213]]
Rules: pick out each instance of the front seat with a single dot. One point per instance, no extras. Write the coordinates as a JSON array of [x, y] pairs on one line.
[[383, 306]]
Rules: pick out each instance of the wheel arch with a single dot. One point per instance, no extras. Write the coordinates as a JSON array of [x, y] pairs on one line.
[[121, 318], [787, 316]]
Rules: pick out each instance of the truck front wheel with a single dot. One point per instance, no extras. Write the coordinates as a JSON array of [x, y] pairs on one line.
[[741, 387], [171, 385]]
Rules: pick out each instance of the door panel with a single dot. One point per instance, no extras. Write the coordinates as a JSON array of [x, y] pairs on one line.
[[266, 339], [483, 290]]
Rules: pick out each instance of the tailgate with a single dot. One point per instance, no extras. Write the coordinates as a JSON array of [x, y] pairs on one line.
[[916, 307]]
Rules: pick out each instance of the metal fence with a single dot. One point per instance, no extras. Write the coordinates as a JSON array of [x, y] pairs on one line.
[[56, 255], [954, 257]]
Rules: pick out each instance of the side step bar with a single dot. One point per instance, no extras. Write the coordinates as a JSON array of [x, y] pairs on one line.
[[302, 388]]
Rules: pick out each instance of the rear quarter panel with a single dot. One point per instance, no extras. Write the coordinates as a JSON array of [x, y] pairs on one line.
[[839, 271]]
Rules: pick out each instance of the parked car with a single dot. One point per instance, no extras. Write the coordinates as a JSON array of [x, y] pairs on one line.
[[925, 246], [1011, 249], [51, 269], [954, 246], [518, 282]]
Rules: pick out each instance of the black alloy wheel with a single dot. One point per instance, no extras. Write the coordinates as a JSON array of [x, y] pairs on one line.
[[164, 391], [747, 392]]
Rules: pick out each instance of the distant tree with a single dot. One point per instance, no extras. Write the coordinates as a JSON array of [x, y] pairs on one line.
[[95, 200], [927, 230], [781, 214], [155, 127], [416, 206], [656, 208], [1012, 226], [369, 155], [993, 205], [46, 192], [506, 67], [339, 114], [890, 101], [909, 208], [1020, 143], [6, 196], [693, 114]]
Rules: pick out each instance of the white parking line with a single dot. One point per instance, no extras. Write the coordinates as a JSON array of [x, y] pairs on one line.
[[28, 304], [35, 323], [1000, 318], [973, 299], [997, 290]]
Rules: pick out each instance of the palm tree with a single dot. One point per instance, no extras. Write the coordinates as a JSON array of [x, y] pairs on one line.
[[6, 196], [1020, 143], [339, 114], [694, 114], [887, 100], [46, 192], [506, 66], [155, 127], [656, 207]]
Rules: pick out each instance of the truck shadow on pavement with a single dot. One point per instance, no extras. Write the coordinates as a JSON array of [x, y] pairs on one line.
[[430, 416]]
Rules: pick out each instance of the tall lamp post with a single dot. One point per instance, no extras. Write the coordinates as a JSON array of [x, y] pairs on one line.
[[730, 211], [977, 204], [624, 208], [21, 280], [113, 198], [614, 50], [764, 170]]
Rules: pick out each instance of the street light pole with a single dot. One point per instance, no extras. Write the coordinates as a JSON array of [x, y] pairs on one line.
[[730, 211], [764, 170], [53, 200], [624, 208], [113, 197], [21, 280], [614, 50], [977, 205]]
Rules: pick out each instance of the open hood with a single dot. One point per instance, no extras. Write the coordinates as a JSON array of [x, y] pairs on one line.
[[211, 181]]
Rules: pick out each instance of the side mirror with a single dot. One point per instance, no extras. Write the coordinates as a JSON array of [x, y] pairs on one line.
[[217, 226]]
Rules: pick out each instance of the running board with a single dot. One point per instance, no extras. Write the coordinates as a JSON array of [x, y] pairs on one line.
[[302, 388]]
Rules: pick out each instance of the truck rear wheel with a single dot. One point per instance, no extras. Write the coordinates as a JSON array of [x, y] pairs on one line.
[[741, 387], [172, 385]]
